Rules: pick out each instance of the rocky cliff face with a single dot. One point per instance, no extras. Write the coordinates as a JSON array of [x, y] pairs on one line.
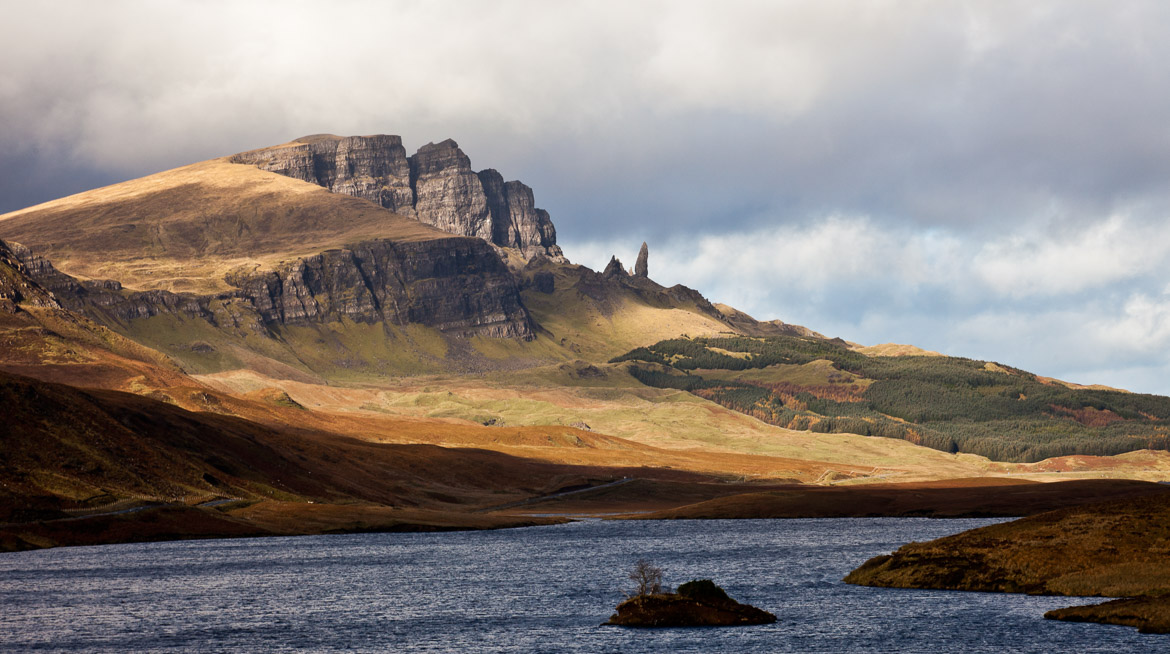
[[371, 167], [457, 285], [16, 284], [436, 185], [447, 193]]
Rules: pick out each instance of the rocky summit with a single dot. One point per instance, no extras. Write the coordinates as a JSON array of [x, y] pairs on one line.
[[437, 186]]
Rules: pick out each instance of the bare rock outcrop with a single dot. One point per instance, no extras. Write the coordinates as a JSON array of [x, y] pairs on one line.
[[457, 285], [447, 193], [641, 267], [371, 167], [614, 269], [516, 222], [17, 286], [437, 186]]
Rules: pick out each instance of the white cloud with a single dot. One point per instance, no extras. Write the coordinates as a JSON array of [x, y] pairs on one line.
[[1142, 327], [835, 251], [1092, 257]]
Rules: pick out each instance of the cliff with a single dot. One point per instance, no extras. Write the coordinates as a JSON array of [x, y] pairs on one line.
[[436, 185], [17, 286], [457, 285]]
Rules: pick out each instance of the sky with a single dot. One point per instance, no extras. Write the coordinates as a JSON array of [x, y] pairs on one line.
[[985, 179]]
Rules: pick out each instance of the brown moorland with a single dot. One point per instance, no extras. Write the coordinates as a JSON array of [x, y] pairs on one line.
[[1119, 548]]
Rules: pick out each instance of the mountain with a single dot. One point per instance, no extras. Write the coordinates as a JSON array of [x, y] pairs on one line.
[[320, 259]]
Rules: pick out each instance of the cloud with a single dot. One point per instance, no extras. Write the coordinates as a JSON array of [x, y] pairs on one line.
[[1096, 256]]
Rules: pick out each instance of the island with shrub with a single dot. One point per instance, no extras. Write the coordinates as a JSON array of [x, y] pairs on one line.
[[697, 603]]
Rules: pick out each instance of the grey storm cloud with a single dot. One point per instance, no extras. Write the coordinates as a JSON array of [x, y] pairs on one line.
[[915, 171]]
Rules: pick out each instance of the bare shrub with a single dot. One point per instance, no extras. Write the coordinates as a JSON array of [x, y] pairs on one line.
[[647, 579]]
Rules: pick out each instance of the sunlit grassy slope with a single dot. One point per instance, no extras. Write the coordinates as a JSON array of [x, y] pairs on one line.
[[598, 321], [184, 229], [606, 400]]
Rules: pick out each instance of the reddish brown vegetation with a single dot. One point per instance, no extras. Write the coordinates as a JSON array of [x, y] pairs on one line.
[[838, 392], [1089, 416]]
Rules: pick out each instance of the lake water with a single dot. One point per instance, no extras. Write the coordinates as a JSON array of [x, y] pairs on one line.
[[543, 589]]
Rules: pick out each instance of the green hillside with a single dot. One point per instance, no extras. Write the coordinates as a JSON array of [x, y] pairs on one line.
[[947, 403]]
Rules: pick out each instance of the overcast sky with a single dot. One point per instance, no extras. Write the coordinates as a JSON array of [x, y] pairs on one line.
[[984, 179]]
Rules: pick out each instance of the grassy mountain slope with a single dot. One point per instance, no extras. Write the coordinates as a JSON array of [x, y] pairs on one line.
[[947, 403], [184, 229]]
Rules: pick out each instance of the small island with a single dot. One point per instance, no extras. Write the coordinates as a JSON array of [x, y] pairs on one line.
[[698, 603]]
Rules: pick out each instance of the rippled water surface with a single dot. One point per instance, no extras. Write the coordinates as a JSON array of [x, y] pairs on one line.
[[544, 589]]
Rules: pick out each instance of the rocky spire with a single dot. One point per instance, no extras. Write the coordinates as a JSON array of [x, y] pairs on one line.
[[614, 268], [640, 269]]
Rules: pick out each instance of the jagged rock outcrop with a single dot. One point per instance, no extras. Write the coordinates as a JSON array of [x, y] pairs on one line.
[[457, 285], [447, 193], [641, 267], [371, 167], [614, 269], [607, 290], [16, 284], [436, 185], [516, 222]]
